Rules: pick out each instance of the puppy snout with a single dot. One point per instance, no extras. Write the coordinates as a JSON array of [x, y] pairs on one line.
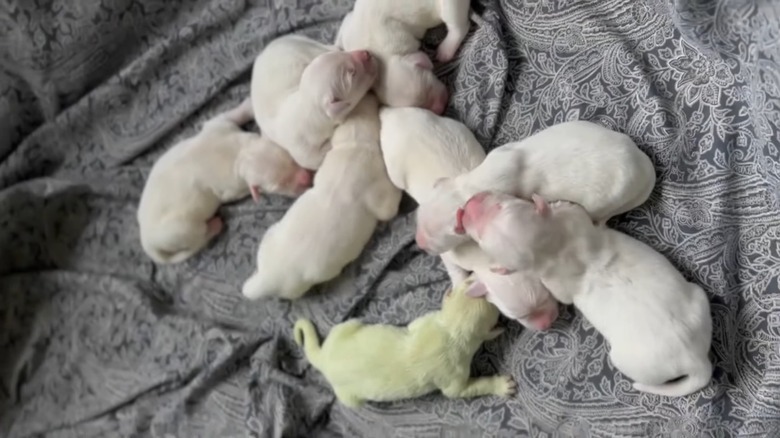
[[361, 56], [474, 207]]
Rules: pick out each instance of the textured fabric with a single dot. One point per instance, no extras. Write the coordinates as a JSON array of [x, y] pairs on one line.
[[96, 341]]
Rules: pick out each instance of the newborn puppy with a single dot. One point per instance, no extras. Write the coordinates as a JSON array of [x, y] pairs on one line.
[[393, 30], [384, 363], [518, 295], [220, 164], [327, 227], [301, 90], [419, 148], [600, 169], [657, 324]]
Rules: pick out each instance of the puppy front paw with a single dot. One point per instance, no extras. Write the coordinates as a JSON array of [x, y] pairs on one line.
[[445, 52], [505, 386], [214, 226]]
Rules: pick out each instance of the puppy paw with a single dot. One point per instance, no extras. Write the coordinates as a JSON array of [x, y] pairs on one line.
[[214, 226], [445, 52], [506, 386]]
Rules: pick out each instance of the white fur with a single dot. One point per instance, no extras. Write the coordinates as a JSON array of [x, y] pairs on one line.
[[188, 183], [393, 30], [302, 89], [600, 169], [420, 148], [328, 227], [657, 324]]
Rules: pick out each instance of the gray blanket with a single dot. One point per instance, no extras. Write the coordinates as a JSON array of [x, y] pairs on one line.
[[97, 341]]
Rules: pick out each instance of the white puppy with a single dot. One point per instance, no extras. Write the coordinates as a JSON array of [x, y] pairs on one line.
[[658, 324], [327, 227], [392, 30], [220, 164], [419, 148], [302, 89], [600, 169]]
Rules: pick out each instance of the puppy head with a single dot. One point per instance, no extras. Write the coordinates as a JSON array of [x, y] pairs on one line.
[[508, 229], [266, 167], [438, 229], [523, 298], [464, 305], [338, 80], [409, 82]]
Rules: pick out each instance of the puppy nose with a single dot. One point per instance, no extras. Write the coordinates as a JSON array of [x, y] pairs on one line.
[[361, 55]]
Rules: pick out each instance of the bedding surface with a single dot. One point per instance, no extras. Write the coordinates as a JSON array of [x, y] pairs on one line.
[[97, 341]]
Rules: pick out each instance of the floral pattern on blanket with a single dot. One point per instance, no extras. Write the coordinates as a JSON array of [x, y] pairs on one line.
[[98, 341]]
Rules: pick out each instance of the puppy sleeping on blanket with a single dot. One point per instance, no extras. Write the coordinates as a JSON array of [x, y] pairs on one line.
[[302, 89], [419, 148], [657, 324], [392, 30], [220, 164], [579, 161], [384, 363], [327, 227]]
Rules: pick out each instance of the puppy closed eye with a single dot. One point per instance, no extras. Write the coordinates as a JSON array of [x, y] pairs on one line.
[[351, 71]]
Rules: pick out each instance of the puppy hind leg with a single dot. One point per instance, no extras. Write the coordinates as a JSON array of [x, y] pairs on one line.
[[214, 226], [180, 240], [240, 115], [383, 200], [455, 14], [348, 400], [502, 386]]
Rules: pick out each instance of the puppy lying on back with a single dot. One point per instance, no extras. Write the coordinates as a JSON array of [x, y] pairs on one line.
[[419, 148], [220, 164], [600, 169], [657, 324], [301, 90], [327, 227], [392, 30], [385, 363]]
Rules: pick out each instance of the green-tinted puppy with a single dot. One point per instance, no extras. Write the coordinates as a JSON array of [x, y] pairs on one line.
[[383, 362]]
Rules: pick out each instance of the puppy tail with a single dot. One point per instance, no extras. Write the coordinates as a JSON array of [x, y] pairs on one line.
[[696, 379], [306, 337]]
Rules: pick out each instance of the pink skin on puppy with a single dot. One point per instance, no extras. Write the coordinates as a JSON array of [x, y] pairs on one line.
[[480, 218], [492, 218]]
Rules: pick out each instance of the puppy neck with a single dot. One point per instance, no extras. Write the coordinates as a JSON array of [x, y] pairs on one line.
[[470, 329], [310, 111], [581, 242], [361, 126]]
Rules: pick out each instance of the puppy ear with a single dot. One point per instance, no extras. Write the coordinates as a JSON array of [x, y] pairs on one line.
[[255, 191], [476, 290], [439, 181], [459, 222], [336, 108], [542, 207]]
